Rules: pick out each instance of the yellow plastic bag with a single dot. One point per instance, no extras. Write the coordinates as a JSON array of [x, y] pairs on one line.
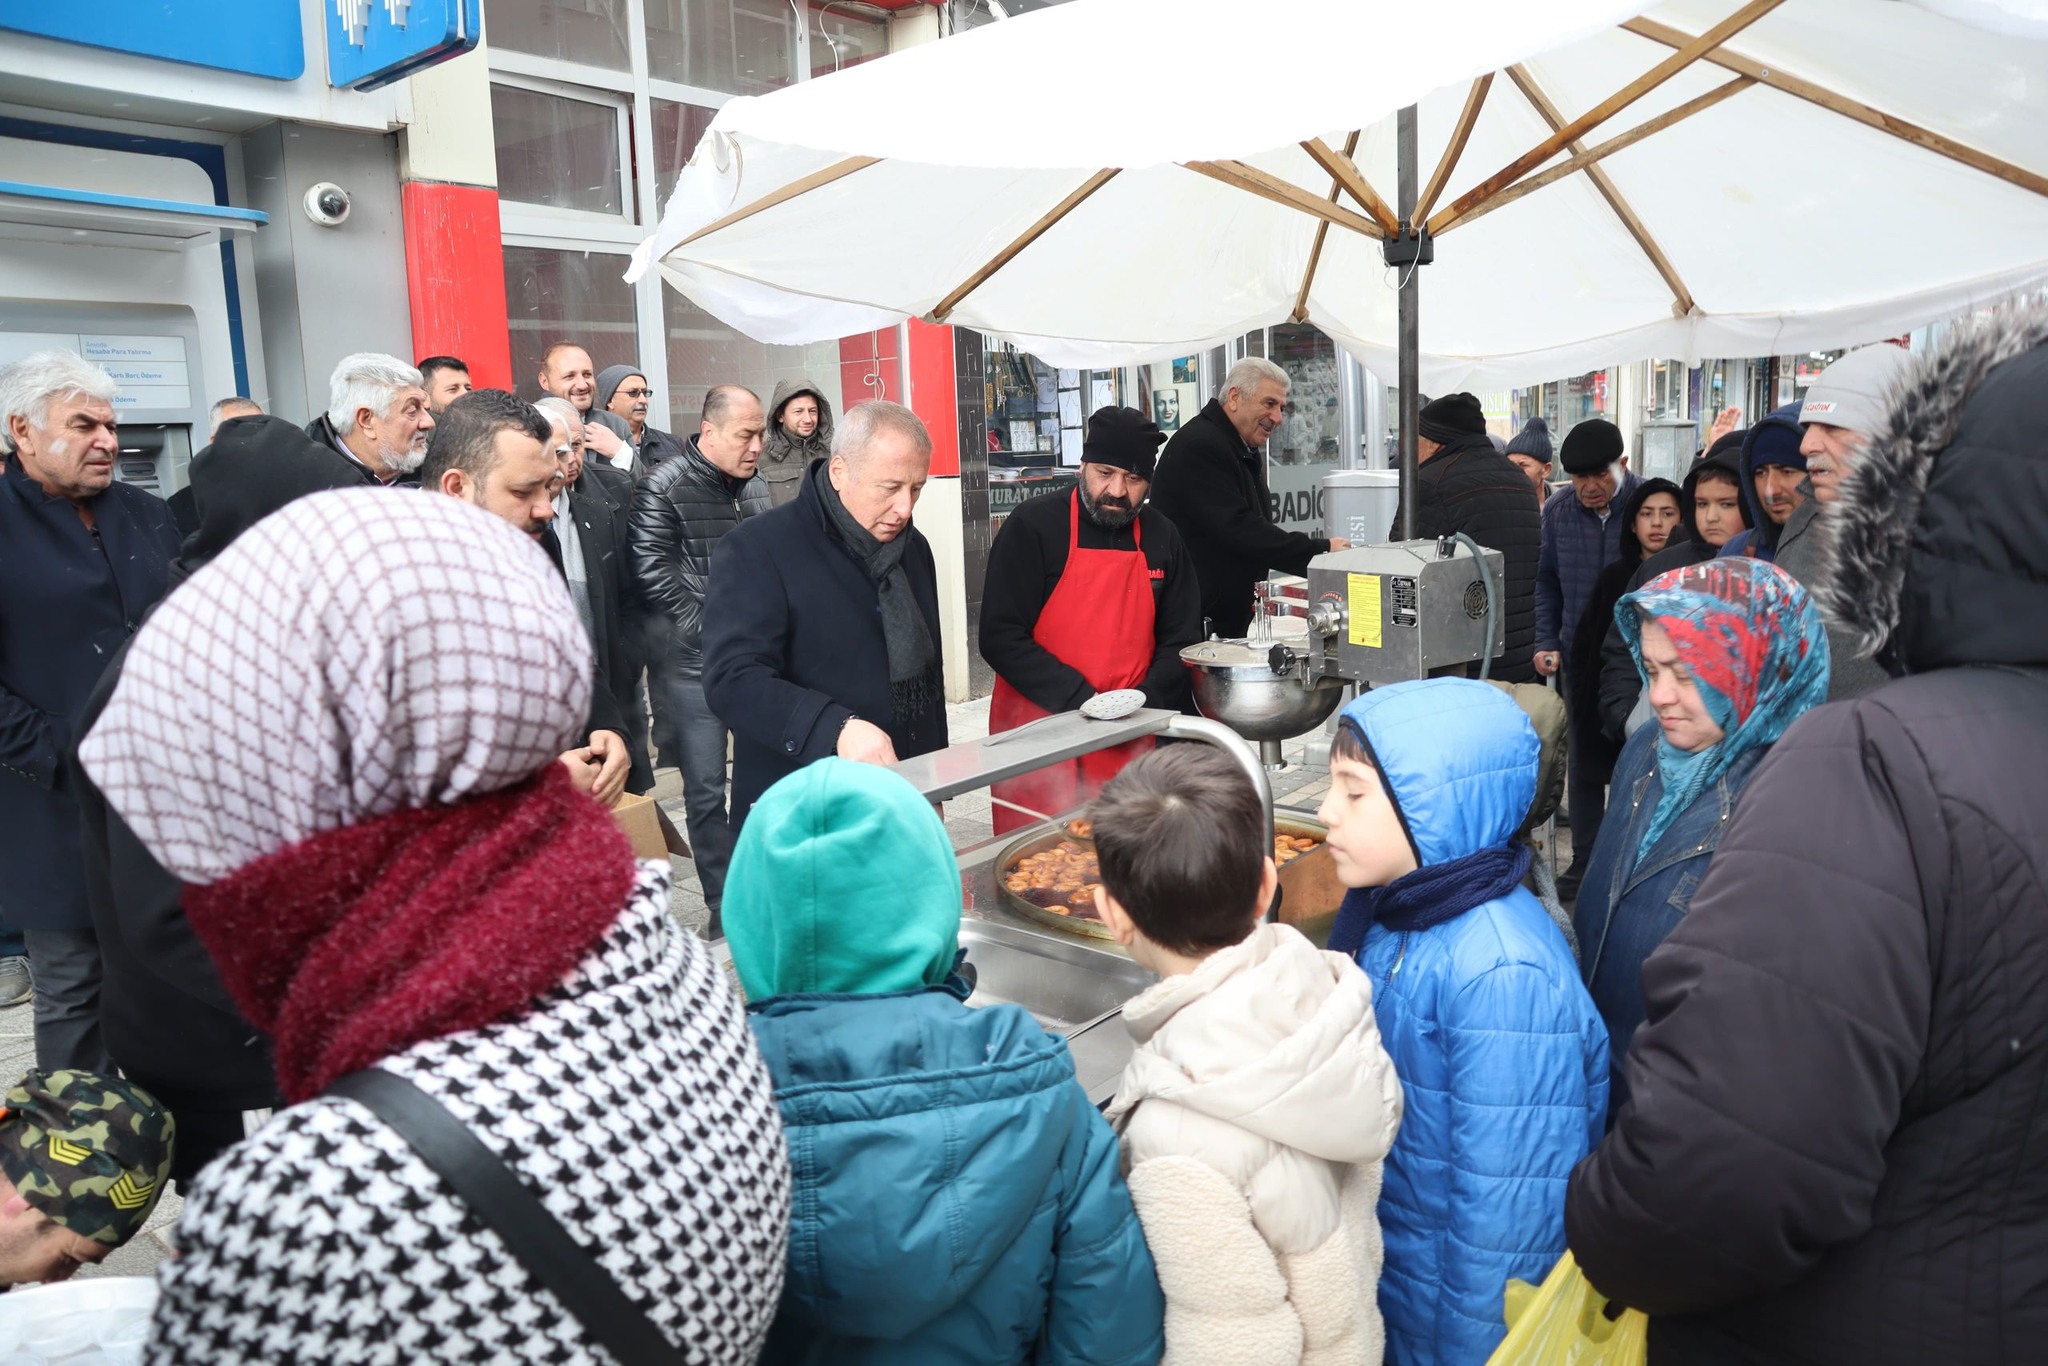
[[1563, 1323]]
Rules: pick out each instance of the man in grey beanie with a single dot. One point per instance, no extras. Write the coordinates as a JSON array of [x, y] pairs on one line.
[[1531, 451], [1839, 412]]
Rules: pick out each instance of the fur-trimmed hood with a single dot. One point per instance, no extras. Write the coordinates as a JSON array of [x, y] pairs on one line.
[[1936, 547]]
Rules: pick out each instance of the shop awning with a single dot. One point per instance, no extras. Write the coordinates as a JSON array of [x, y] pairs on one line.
[[1116, 180], [60, 214]]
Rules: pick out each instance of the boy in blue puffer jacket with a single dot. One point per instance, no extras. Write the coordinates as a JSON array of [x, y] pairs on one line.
[[955, 1198], [1500, 1052]]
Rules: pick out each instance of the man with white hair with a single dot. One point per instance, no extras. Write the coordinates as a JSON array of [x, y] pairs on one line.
[[1212, 486], [377, 415], [821, 617], [1841, 409], [591, 505], [84, 558]]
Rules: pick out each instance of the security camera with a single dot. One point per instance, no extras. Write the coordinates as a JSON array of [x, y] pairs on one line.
[[328, 204]]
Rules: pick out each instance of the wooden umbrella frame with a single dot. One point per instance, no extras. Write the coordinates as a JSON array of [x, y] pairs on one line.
[[1419, 221]]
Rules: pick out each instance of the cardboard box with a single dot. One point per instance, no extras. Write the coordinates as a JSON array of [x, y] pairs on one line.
[[640, 818]]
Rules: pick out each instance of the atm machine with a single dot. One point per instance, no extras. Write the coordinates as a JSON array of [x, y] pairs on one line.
[[152, 351]]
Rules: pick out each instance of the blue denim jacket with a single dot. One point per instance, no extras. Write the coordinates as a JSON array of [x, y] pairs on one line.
[[1628, 904]]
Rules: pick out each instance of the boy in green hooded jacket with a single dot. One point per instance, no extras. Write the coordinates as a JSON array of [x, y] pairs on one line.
[[954, 1197]]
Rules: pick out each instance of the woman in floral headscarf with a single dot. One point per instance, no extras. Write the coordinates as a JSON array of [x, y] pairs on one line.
[[1732, 652]]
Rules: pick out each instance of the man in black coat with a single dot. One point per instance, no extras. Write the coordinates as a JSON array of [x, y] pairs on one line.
[[1212, 486], [1464, 484], [498, 453], [377, 417], [821, 621], [1832, 1152], [82, 558], [169, 1023], [587, 542], [680, 514]]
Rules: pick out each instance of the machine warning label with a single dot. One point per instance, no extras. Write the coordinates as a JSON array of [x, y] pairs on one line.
[[1365, 611]]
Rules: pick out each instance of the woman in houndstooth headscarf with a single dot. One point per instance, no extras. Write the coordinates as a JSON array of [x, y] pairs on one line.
[[342, 734]]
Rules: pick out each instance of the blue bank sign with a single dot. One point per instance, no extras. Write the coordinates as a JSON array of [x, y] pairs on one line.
[[375, 42], [254, 37]]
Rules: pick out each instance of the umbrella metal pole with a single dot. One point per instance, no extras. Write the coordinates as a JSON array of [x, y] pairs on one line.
[[1410, 339]]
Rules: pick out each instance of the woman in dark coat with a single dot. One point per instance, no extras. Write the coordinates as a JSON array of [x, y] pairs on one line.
[[1839, 1095], [1650, 520], [1732, 652]]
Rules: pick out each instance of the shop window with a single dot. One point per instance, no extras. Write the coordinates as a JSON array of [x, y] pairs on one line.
[[840, 41], [576, 296], [677, 130], [557, 151], [744, 47], [702, 351], [592, 32]]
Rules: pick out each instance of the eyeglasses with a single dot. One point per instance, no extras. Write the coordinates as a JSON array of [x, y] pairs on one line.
[[637, 393]]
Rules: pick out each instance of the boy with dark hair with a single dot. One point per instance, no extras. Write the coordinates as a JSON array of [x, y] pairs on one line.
[[1259, 1103], [1500, 1048]]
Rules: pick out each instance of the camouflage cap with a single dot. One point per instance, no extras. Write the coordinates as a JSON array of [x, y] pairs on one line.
[[91, 1152]]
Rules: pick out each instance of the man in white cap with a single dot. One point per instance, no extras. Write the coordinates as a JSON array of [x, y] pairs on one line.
[[1840, 411]]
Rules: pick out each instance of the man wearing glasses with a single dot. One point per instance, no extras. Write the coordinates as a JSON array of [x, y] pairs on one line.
[[624, 392]]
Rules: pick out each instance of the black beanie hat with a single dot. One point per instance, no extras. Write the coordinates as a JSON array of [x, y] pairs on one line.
[[1124, 438], [1452, 416], [1591, 447], [1533, 441]]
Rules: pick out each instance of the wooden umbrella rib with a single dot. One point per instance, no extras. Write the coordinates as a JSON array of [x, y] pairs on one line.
[[1443, 222], [838, 170], [1025, 239], [1682, 301], [1346, 173], [1570, 130], [1814, 93], [1474, 100], [1315, 253], [1266, 186]]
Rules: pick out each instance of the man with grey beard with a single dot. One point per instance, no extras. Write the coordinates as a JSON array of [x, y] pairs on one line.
[[378, 416], [1088, 590]]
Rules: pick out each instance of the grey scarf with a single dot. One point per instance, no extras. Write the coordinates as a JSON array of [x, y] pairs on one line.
[[914, 679]]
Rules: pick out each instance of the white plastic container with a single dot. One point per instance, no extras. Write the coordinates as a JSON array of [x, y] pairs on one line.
[[1360, 505]]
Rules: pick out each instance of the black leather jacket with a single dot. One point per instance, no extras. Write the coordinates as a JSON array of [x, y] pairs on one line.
[[680, 512]]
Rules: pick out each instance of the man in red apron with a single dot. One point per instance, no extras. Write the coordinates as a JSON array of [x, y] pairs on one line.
[[1088, 590]]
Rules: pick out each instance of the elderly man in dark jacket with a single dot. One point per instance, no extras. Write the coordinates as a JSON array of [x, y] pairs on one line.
[[1464, 484], [169, 1022], [1840, 1095], [81, 559], [821, 624], [1582, 530], [1212, 486], [681, 513]]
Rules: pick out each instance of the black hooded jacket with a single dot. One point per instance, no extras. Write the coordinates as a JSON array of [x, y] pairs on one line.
[[1596, 623], [169, 1023], [1619, 683], [1840, 1096]]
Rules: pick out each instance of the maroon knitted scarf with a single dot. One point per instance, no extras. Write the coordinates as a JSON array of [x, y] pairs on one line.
[[355, 944]]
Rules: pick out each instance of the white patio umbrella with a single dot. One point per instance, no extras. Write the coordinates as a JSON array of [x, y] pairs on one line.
[[1111, 181]]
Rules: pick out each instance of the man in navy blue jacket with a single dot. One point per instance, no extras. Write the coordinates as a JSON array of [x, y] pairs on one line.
[[1582, 528], [81, 559], [821, 617]]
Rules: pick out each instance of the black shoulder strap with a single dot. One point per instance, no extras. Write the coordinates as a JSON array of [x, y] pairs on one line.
[[535, 1237]]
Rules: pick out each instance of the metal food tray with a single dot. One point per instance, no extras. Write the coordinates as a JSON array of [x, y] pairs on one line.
[[1284, 823]]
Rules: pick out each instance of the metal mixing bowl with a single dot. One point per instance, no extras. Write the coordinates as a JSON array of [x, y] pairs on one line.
[[1235, 684]]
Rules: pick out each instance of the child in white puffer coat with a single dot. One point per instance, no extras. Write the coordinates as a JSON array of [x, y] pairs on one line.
[[1259, 1103]]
